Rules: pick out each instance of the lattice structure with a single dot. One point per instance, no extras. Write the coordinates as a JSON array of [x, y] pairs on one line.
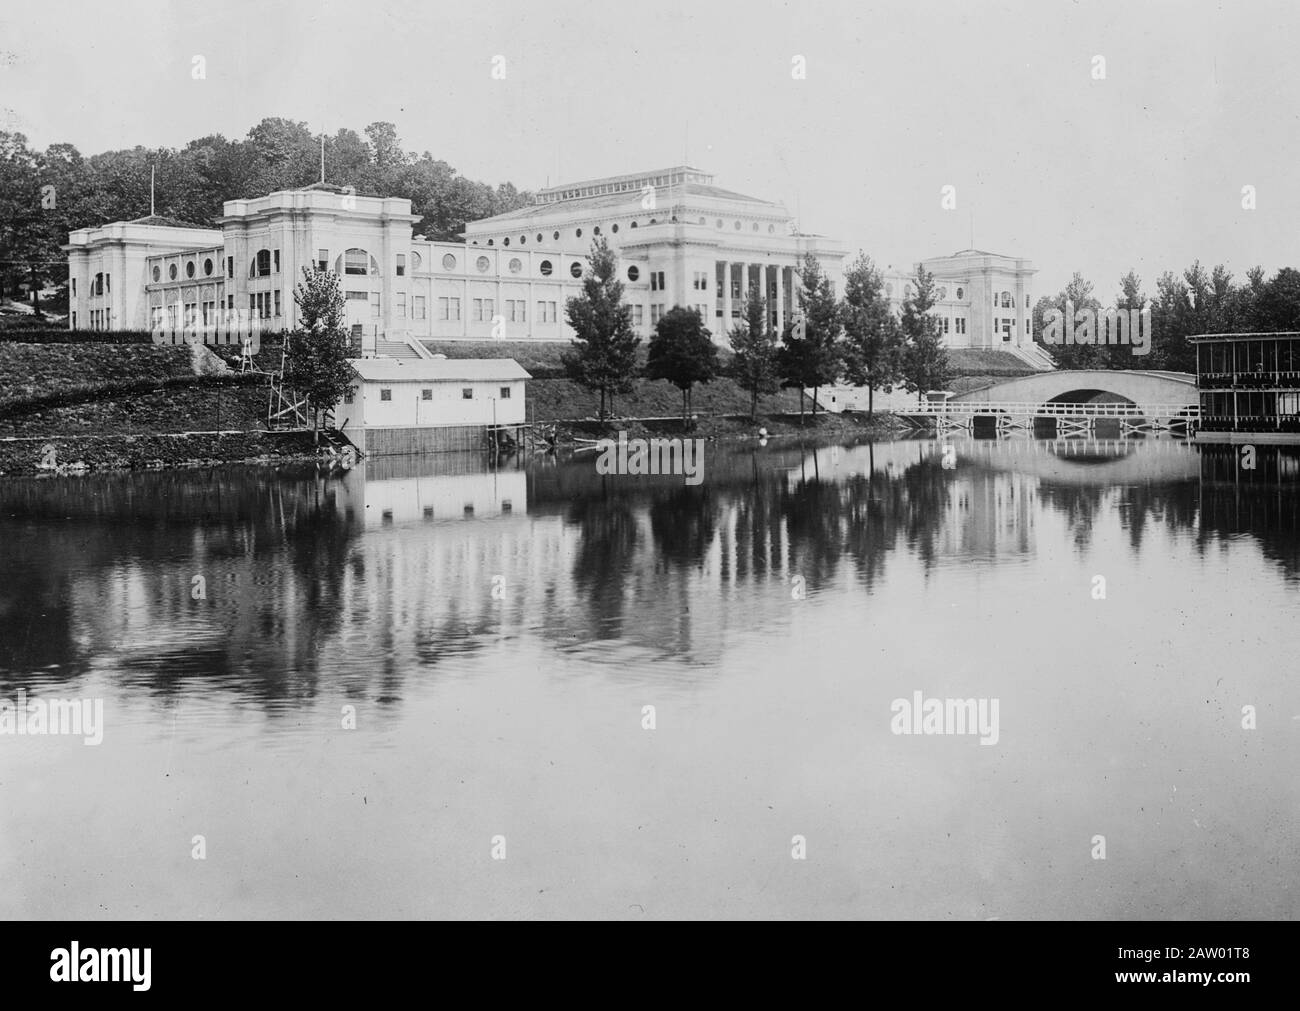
[[285, 408]]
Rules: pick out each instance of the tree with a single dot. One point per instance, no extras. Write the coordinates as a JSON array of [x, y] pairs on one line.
[[754, 352], [925, 364], [317, 361], [682, 352], [604, 353], [811, 351], [872, 337]]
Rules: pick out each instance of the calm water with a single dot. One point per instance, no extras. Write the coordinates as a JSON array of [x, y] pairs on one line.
[[771, 616]]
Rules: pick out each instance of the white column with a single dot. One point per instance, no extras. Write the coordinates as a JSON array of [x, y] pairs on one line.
[[780, 300], [726, 297]]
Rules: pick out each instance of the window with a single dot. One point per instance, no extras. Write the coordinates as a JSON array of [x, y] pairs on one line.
[[1026, 300], [515, 265], [322, 260], [357, 296], [385, 393], [516, 310], [74, 321], [455, 308], [505, 393], [418, 308], [961, 324], [578, 233], [277, 261], [961, 293], [375, 310], [449, 262], [482, 263], [356, 261], [539, 237], [401, 264], [633, 273], [108, 283], [207, 267], [484, 310], [701, 281], [656, 311], [171, 276], [467, 393], [262, 266], [638, 315], [945, 324], [1006, 300], [277, 303], [157, 276], [399, 306], [545, 268], [426, 394], [505, 241], [545, 312], [230, 267], [737, 226], [575, 269], [654, 281], [350, 395], [556, 236], [662, 286]]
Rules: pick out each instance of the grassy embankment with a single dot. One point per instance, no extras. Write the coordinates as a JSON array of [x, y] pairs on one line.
[[125, 405]]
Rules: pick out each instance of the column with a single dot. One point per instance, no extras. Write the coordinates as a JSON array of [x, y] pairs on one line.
[[780, 300], [726, 296]]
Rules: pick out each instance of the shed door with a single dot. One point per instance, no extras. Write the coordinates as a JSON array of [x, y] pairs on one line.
[[424, 413]]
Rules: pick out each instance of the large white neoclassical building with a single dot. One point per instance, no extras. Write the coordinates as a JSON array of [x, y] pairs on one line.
[[681, 240]]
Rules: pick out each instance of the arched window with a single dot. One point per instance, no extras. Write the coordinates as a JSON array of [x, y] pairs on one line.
[[262, 265], [98, 287], [355, 261], [416, 260]]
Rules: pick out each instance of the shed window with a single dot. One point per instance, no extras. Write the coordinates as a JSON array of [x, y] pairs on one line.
[[426, 394], [385, 394], [505, 393], [467, 393]]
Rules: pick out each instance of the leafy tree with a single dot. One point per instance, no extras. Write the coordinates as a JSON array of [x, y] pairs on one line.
[[811, 353], [925, 364], [317, 363], [604, 353], [754, 353], [872, 337], [682, 352]]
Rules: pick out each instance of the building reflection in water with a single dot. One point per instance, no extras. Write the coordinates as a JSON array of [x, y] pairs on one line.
[[410, 568]]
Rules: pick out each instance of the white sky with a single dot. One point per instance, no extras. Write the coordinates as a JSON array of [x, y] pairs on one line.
[[1143, 169]]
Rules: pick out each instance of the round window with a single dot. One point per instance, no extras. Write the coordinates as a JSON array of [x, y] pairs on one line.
[[576, 269], [545, 268], [171, 272], [157, 274], [492, 242], [633, 225], [719, 222], [189, 269], [596, 230], [556, 236], [505, 241], [449, 262], [756, 226], [943, 293], [578, 233], [482, 263], [961, 292], [539, 237], [614, 227], [523, 239], [702, 221], [737, 226], [633, 273], [515, 265], [771, 229], [207, 268]]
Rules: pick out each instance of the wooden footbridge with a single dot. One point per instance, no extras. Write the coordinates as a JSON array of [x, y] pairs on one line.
[[1067, 418]]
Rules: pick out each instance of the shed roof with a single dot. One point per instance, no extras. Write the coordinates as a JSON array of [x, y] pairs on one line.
[[393, 370]]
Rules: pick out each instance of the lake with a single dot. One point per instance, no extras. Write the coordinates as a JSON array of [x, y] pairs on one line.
[[423, 687]]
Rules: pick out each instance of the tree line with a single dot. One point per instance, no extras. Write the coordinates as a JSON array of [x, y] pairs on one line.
[[856, 338], [44, 195], [1192, 302]]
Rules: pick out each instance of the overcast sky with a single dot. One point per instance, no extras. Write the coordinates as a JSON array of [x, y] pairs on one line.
[[1143, 169]]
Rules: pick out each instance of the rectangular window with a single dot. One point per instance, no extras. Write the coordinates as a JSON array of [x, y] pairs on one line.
[[277, 261], [108, 283], [322, 260], [374, 304], [638, 315], [505, 393], [662, 286], [455, 308], [399, 306], [418, 307], [74, 321], [467, 393], [355, 261], [277, 303], [74, 287], [385, 393], [350, 395], [230, 302], [230, 267], [426, 394], [478, 310], [654, 281], [252, 308], [358, 296], [443, 305], [401, 264]]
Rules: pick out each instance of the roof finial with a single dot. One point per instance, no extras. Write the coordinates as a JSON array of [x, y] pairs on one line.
[[322, 156], [152, 170]]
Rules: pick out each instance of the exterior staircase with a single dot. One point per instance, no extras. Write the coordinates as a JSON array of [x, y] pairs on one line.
[[1035, 356], [385, 348]]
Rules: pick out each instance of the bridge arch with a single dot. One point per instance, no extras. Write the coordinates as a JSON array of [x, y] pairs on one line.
[[1137, 387]]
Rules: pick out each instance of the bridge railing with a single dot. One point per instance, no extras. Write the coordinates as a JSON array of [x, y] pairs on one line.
[[1054, 409]]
